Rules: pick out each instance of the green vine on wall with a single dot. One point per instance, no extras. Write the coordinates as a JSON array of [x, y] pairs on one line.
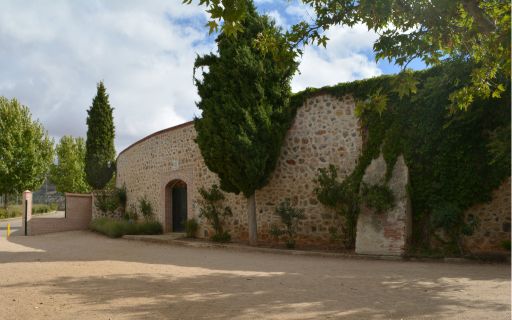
[[455, 160]]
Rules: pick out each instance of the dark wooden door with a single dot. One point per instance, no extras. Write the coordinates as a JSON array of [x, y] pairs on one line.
[[179, 208]]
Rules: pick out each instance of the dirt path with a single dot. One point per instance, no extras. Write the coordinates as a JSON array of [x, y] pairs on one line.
[[80, 275]]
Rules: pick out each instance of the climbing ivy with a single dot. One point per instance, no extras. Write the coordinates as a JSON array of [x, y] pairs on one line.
[[455, 159]]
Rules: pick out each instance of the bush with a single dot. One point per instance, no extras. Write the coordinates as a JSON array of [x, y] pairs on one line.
[[131, 213], [377, 197], [221, 237], [210, 207], [44, 208], [106, 201], [117, 228], [122, 197], [149, 227], [290, 217], [146, 208], [191, 227], [10, 212], [506, 245]]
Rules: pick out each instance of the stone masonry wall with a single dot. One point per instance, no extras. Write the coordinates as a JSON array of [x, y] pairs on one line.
[[325, 130], [494, 222]]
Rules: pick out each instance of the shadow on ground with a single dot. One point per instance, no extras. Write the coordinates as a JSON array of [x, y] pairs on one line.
[[193, 283]]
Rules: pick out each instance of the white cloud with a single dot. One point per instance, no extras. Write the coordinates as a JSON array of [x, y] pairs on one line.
[[54, 52], [57, 51], [346, 58], [278, 18]]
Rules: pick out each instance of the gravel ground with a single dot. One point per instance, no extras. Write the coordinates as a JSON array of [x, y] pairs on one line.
[[81, 275]]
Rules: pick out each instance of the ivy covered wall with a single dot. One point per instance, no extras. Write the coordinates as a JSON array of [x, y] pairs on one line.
[[456, 159]]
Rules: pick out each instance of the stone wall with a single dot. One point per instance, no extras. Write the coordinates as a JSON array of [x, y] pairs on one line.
[[325, 130], [386, 233], [493, 222]]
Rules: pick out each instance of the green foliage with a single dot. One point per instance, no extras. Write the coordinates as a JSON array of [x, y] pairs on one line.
[[146, 208], [17, 210], [221, 237], [100, 152], [26, 151], [68, 174], [44, 208], [290, 218], [11, 212], [106, 201], [452, 157], [506, 245], [122, 197], [377, 197], [191, 227], [131, 213], [432, 31], [117, 228], [343, 197], [244, 102], [211, 208]]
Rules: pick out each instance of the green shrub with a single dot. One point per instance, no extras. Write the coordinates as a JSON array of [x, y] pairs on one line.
[[146, 208], [10, 212], [221, 237], [131, 213], [117, 228], [377, 197], [506, 245], [122, 197], [210, 207], [342, 197], [191, 227], [149, 227], [290, 217], [106, 201]]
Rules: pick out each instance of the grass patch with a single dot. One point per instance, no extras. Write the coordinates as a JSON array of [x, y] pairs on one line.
[[117, 228], [14, 211], [10, 212]]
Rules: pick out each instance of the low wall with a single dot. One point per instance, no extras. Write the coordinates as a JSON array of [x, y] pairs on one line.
[[78, 216]]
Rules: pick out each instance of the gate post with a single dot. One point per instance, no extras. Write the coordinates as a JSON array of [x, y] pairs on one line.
[[27, 211]]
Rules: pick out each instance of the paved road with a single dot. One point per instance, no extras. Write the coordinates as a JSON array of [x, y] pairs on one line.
[[16, 223], [82, 275]]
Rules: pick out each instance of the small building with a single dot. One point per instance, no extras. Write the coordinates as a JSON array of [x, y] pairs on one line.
[[167, 168]]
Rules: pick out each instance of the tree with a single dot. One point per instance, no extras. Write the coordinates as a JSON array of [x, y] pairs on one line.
[[99, 148], [26, 151], [68, 174], [245, 112], [433, 31]]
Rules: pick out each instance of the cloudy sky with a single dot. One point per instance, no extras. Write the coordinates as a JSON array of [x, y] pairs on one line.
[[54, 52]]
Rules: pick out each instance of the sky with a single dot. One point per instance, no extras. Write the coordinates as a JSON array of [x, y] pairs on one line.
[[54, 52]]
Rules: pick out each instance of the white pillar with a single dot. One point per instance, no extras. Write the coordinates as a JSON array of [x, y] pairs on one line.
[[27, 207]]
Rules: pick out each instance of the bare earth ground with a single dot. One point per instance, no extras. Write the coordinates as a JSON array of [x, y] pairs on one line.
[[81, 275]]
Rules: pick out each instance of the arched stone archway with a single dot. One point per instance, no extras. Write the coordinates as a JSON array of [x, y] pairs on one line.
[[175, 206]]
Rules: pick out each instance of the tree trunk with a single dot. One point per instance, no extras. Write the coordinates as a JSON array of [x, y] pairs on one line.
[[251, 220], [5, 201]]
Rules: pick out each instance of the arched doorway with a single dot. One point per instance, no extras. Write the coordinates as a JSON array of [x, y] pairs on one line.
[[175, 206]]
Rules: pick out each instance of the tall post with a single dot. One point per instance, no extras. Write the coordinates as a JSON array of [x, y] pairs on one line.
[[27, 215]]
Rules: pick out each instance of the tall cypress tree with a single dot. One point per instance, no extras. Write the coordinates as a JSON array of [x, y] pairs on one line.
[[245, 111], [100, 151]]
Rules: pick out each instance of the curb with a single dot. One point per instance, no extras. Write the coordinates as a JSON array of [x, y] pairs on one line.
[[245, 248]]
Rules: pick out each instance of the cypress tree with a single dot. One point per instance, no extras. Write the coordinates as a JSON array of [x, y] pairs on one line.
[[245, 111], [100, 151]]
